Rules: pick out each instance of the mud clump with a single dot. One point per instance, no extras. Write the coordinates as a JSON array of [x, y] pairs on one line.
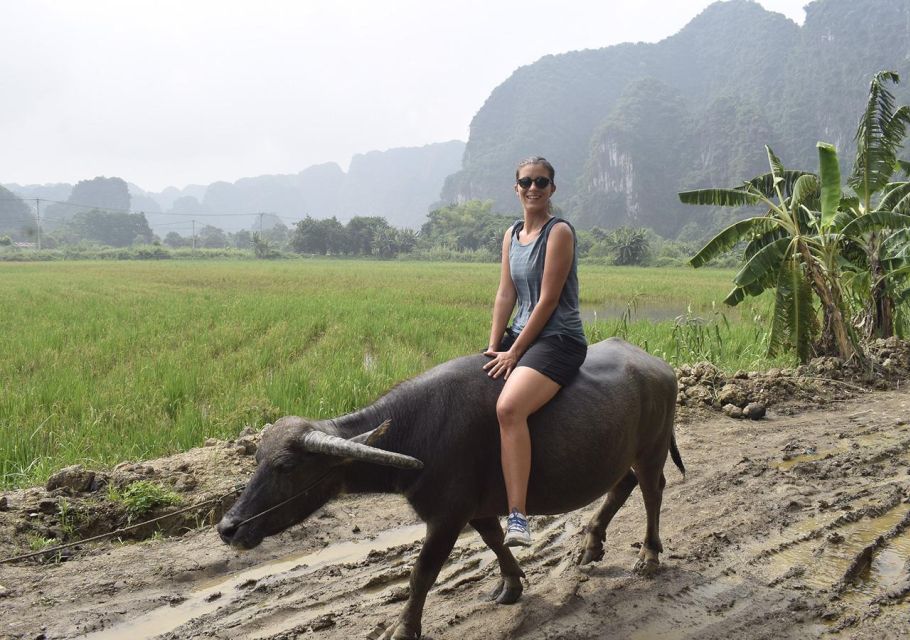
[[823, 380], [78, 503]]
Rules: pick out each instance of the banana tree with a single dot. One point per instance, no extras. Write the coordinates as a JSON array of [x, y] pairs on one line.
[[791, 250], [869, 225], [876, 250]]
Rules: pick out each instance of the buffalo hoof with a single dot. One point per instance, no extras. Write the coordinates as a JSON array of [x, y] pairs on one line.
[[590, 554], [646, 567], [508, 591], [397, 631]]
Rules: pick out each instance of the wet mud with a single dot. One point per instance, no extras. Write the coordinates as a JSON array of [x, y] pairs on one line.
[[792, 526]]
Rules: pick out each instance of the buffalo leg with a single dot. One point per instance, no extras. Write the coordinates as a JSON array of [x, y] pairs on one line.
[[437, 546], [593, 549], [509, 589], [652, 484]]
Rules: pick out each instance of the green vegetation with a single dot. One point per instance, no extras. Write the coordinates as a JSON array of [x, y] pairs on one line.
[[822, 251], [37, 543], [107, 362], [467, 232], [142, 496]]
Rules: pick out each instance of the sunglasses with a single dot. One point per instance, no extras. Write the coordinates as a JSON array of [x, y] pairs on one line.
[[540, 183]]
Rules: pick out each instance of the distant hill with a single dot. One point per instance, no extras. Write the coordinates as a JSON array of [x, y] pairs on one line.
[[629, 125], [399, 185]]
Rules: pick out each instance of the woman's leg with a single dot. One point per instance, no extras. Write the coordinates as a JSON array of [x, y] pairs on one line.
[[525, 392]]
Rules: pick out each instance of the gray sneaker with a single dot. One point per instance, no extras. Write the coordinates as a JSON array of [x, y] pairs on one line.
[[518, 533]]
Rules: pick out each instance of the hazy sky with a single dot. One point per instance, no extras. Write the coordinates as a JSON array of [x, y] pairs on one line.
[[169, 92]]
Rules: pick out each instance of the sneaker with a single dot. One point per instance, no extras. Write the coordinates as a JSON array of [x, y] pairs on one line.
[[518, 533]]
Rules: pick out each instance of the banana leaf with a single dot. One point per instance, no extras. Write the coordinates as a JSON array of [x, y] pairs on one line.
[[878, 136], [729, 237], [720, 197], [829, 178], [896, 198], [762, 268], [764, 183], [792, 319], [759, 241], [777, 167], [875, 221]]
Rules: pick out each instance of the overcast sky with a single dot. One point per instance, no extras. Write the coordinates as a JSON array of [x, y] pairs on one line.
[[169, 92]]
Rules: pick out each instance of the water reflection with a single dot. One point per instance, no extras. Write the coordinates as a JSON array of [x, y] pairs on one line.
[[612, 311]]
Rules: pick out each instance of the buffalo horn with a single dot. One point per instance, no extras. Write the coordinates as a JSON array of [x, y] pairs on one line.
[[319, 442]]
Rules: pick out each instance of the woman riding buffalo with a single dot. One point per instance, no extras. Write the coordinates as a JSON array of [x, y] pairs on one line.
[[542, 348]]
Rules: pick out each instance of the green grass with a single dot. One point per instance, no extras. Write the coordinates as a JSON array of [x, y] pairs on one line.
[[140, 497], [110, 361]]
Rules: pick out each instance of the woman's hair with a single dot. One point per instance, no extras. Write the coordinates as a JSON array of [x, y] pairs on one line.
[[537, 160]]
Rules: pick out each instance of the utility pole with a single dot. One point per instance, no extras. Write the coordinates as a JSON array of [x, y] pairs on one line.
[[38, 218], [260, 224], [194, 235]]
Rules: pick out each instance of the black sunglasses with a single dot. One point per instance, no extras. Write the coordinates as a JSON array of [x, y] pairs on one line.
[[540, 183]]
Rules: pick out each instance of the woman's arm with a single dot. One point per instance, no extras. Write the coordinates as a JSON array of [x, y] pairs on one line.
[[557, 264], [505, 297]]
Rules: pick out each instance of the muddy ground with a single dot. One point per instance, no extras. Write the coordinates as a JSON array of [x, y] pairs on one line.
[[791, 526]]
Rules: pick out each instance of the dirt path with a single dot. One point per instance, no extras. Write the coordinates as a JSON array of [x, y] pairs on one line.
[[787, 527]]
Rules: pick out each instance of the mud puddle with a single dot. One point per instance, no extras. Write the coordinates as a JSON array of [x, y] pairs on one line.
[[223, 591], [821, 563], [858, 442]]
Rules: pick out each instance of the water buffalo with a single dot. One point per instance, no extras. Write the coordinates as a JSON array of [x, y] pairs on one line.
[[438, 445]]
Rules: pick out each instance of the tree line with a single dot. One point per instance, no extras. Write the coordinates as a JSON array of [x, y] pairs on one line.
[[467, 231]]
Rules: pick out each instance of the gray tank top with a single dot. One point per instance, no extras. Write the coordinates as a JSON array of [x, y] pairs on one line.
[[526, 265]]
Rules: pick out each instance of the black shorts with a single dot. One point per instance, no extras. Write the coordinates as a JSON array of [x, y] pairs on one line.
[[557, 357]]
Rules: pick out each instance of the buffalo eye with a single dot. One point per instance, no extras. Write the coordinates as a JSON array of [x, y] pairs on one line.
[[285, 464]]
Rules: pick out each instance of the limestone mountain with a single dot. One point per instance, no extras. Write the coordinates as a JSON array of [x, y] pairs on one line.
[[398, 184], [629, 125]]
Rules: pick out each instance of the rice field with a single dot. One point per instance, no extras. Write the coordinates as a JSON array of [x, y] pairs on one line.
[[112, 361]]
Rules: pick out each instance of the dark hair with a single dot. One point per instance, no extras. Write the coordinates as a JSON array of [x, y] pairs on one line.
[[537, 160]]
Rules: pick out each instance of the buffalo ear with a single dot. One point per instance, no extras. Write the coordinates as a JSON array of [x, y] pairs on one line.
[[370, 438]]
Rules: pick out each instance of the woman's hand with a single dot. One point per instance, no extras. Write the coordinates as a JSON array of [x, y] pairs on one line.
[[502, 363]]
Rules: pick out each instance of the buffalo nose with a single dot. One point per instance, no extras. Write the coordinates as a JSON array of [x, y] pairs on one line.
[[226, 529]]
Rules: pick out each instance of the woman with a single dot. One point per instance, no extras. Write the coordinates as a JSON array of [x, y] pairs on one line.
[[545, 345]]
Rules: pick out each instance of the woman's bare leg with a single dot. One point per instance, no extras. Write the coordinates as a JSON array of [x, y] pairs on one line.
[[525, 392]]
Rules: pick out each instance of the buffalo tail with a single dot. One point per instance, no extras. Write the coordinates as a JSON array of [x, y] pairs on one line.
[[674, 453]]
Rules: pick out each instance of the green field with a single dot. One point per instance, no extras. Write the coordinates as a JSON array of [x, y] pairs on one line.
[[110, 361]]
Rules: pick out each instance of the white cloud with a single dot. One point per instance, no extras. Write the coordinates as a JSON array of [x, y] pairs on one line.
[[168, 93]]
